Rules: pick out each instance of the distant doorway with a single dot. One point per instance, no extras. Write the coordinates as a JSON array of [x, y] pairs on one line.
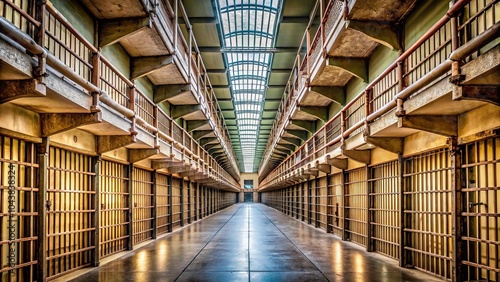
[[248, 197]]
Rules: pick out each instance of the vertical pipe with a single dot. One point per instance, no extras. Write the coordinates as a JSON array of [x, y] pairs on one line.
[[154, 222], [40, 69], [457, 222], [169, 218], [130, 226], [403, 261], [96, 222], [176, 24], [43, 178]]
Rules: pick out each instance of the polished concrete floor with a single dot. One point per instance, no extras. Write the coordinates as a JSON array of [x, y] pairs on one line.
[[251, 242]]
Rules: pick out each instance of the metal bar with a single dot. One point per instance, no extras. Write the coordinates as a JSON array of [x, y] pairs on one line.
[[130, 215], [95, 186], [170, 204], [154, 221], [43, 162]]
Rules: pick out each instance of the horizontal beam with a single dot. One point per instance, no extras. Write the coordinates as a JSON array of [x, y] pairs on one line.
[[112, 31], [248, 50]]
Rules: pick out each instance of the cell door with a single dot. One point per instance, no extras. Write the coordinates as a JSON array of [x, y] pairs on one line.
[[481, 210]]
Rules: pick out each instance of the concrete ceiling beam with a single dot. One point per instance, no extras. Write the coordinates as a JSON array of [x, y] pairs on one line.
[[302, 134], [193, 125], [56, 123], [292, 140], [200, 134], [112, 31], [167, 164], [141, 66], [441, 124], [316, 111], [135, 155], [179, 111], [486, 93], [206, 140], [326, 168], [334, 93], [308, 125], [282, 150], [380, 32], [360, 156], [168, 91], [355, 66], [337, 162], [109, 142], [287, 146], [391, 144], [15, 89]]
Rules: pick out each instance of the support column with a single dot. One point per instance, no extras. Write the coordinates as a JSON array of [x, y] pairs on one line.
[[130, 230], [456, 212], [190, 206], [195, 201], [154, 215], [169, 218], [369, 213], [317, 189], [344, 204], [404, 258], [43, 163], [181, 183], [329, 210], [96, 222], [302, 202]]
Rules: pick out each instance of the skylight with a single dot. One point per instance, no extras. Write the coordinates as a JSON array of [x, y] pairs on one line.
[[249, 30]]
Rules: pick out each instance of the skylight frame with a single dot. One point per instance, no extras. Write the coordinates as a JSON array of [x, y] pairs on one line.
[[249, 32]]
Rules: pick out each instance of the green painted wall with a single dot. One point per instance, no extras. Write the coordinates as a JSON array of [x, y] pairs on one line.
[[77, 16], [353, 88], [118, 58], [380, 60], [145, 86], [420, 20]]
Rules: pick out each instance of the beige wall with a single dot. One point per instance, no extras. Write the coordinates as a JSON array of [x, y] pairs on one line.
[[247, 176]]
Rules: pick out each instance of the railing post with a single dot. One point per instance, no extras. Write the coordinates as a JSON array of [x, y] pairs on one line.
[[40, 70], [456, 76], [190, 53], [156, 125], [132, 97], [96, 80], [400, 72], [43, 180], [176, 24]]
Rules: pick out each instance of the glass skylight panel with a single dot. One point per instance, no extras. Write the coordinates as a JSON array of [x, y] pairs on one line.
[[248, 28]]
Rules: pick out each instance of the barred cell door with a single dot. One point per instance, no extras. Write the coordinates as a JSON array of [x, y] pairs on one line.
[[481, 210], [114, 204], [69, 212], [18, 212]]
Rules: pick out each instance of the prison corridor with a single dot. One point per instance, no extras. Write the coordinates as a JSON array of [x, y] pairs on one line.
[[250, 242]]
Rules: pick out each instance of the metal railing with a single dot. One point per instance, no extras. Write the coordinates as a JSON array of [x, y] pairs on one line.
[[428, 59], [45, 33]]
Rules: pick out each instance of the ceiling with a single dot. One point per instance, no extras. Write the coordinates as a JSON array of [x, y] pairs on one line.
[[219, 54]]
